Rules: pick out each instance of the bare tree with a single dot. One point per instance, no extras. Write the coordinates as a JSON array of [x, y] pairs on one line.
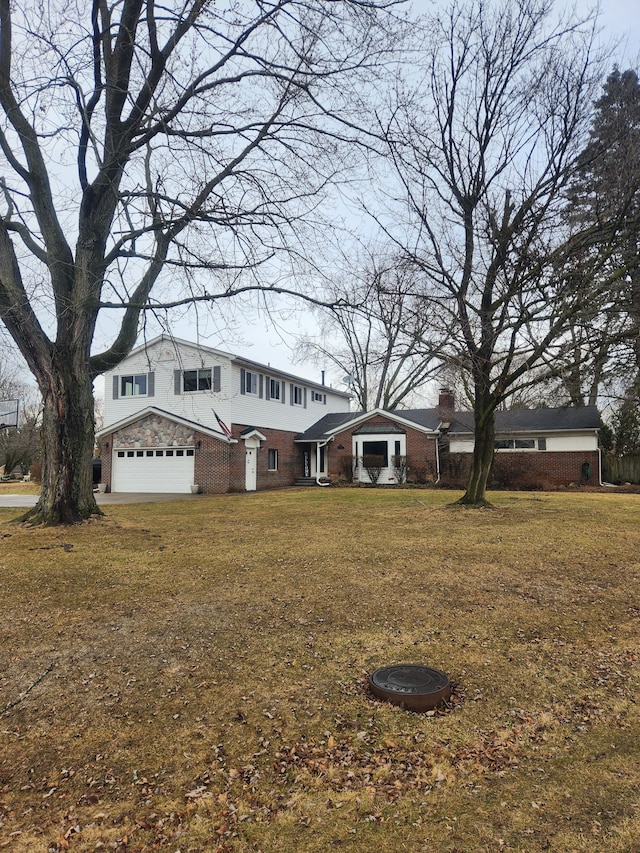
[[155, 156], [19, 442], [380, 333], [484, 147]]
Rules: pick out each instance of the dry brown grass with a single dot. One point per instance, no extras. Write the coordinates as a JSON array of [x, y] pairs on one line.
[[14, 487], [209, 659]]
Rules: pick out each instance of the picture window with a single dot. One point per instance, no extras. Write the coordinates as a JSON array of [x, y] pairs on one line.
[[376, 448]]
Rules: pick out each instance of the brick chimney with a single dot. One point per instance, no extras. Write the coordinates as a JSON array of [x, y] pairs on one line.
[[446, 400]]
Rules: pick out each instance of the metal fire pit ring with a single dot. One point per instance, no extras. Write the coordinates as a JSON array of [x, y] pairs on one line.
[[413, 686]]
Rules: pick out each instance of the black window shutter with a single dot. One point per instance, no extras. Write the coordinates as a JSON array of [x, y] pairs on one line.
[[177, 381], [291, 394], [151, 384], [325, 399], [243, 374], [267, 388], [260, 385], [116, 380], [283, 390], [216, 378], [305, 398]]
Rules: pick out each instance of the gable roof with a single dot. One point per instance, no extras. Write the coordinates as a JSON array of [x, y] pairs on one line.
[[566, 419], [425, 420], [170, 416], [236, 359]]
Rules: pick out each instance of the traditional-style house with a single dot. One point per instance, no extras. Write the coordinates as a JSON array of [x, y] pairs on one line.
[[181, 417]]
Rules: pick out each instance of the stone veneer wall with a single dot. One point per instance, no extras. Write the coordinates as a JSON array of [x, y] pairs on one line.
[[154, 431]]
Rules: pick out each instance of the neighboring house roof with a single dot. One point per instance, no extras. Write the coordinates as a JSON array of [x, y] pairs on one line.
[[236, 359], [570, 418], [425, 420], [154, 410]]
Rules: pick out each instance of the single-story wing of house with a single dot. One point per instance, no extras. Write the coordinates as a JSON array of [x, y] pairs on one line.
[[534, 448], [182, 417]]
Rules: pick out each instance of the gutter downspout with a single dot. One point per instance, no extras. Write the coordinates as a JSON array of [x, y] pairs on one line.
[[318, 475], [599, 462], [437, 458]]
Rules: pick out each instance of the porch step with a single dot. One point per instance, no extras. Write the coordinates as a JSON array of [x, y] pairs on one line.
[[310, 481]]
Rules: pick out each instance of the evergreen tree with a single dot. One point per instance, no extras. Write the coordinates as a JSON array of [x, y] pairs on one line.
[[605, 195]]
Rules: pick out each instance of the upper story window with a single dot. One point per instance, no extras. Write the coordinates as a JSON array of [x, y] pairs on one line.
[[274, 389], [318, 397], [297, 395], [133, 386], [250, 382], [197, 380]]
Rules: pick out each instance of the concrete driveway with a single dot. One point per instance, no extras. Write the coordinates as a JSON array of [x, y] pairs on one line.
[[101, 498]]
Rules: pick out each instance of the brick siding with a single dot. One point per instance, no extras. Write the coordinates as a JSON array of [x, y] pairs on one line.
[[525, 470], [212, 464], [421, 452], [220, 467], [289, 459], [105, 454]]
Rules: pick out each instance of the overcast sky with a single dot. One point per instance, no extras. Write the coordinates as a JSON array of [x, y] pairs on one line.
[[620, 21]]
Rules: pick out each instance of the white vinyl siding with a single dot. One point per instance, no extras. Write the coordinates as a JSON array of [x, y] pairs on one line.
[[226, 398], [551, 441]]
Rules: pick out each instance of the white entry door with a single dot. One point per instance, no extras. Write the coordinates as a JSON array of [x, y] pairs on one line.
[[251, 479]]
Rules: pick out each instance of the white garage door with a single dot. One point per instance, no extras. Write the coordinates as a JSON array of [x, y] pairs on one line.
[[167, 470]]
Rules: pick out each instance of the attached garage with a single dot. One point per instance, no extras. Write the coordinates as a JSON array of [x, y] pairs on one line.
[[166, 469]]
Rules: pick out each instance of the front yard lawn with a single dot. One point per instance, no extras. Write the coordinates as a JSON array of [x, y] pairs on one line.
[[192, 675]]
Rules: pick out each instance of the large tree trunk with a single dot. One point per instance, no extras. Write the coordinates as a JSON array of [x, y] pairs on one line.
[[483, 452], [68, 435]]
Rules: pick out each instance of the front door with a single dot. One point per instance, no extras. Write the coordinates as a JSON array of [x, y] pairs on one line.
[[250, 476]]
